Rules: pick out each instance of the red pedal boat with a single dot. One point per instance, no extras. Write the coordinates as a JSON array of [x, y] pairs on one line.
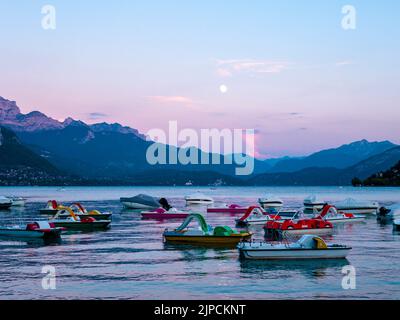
[[302, 226]]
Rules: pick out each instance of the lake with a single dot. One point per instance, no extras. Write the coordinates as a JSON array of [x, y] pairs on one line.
[[130, 261]]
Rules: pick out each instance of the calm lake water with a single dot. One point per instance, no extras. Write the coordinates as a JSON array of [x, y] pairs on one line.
[[130, 261]]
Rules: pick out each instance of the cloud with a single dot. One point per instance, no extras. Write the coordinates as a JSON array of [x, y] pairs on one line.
[[96, 115], [171, 99], [227, 68], [344, 63]]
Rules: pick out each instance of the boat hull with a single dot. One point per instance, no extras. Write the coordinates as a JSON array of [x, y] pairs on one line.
[[83, 226], [164, 216], [290, 254], [24, 234], [190, 202], [5, 206], [134, 205], [231, 240], [227, 210], [346, 220], [371, 210], [48, 211], [319, 231]]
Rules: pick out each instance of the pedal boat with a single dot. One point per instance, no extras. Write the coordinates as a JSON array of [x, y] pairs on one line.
[[232, 208], [255, 216], [81, 212], [51, 208], [331, 214], [205, 234], [74, 222], [307, 247], [38, 229], [162, 214], [299, 226]]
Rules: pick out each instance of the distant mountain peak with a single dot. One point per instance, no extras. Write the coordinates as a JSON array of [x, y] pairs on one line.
[[11, 117]]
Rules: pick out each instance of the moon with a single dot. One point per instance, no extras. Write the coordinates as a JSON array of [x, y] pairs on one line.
[[223, 88]]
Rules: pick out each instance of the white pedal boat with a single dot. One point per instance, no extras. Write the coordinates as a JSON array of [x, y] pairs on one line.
[[331, 214], [308, 247], [254, 216]]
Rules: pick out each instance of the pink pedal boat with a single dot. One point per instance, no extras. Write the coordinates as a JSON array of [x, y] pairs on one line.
[[162, 214], [233, 208]]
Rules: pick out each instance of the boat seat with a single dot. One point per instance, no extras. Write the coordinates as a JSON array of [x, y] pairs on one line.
[[43, 225]]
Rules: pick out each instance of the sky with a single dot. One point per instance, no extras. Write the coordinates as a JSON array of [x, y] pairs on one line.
[[286, 69]]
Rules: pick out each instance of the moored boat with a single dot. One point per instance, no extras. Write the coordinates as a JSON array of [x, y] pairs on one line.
[[162, 214], [205, 234], [73, 222], [38, 229], [358, 207], [232, 208], [17, 201], [307, 247], [198, 198], [141, 201], [298, 226], [331, 214], [81, 211], [312, 203], [270, 202], [255, 216], [51, 208]]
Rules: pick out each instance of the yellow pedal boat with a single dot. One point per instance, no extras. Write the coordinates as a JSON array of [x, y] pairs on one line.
[[205, 234]]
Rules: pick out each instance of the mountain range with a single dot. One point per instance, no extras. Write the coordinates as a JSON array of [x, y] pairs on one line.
[[113, 153]]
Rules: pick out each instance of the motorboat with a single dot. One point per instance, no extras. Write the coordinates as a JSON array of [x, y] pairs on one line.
[[162, 214], [298, 226], [271, 202], [232, 208], [141, 201], [51, 208], [198, 198], [312, 203], [74, 222], [307, 247], [5, 203], [331, 214], [358, 207], [204, 234], [81, 211], [17, 201], [38, 229], [255, 216]]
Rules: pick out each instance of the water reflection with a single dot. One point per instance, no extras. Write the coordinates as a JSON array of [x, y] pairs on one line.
[[309, 268]]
